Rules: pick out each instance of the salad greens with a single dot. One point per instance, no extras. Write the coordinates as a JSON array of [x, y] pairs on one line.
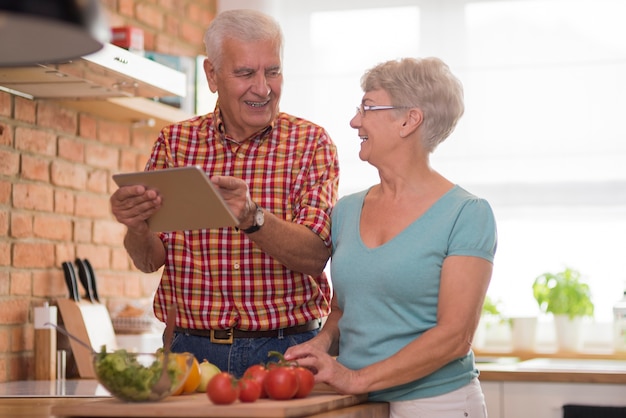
[[130, 376]]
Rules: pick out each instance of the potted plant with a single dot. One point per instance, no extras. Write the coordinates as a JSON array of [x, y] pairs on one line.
[[568, 298]]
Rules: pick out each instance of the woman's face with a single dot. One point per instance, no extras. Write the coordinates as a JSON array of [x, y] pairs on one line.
[[249, 84], [376, 127]]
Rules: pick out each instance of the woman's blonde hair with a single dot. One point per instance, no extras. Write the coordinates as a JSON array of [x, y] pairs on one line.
[[425, 83]]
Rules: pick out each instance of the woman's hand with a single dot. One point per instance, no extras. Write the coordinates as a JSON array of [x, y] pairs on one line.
[[325, 367]]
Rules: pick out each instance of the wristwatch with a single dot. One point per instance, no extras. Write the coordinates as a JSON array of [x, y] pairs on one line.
[[259, 220]]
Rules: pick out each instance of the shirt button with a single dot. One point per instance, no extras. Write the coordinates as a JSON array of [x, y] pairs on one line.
[[241, 155], [236, 266]]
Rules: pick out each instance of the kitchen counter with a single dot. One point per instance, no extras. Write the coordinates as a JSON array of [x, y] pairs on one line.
[[607, 371]]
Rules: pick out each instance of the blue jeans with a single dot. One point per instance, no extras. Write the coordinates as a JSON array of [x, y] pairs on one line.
[[235, 358]]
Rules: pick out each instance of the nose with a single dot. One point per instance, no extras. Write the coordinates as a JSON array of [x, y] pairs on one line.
[[355, 122], [260, 85]]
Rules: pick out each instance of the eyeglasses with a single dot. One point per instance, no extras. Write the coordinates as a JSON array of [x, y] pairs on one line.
[[361, 109]]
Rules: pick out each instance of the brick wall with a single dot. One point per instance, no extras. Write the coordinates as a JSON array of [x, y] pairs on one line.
[[55, 181]]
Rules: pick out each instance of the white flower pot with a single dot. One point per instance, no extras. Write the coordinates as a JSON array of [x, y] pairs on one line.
[[568, 332], [523, 333]]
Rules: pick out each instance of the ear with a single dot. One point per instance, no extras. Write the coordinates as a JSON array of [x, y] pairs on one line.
[[210, 73], [412, 122]]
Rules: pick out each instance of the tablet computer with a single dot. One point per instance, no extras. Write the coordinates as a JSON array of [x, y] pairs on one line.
[[190, 200]]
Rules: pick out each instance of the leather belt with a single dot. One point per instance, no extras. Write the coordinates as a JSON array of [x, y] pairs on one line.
[[226, 336]]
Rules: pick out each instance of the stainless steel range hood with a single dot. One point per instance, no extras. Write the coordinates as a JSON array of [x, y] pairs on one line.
[[110, 72]]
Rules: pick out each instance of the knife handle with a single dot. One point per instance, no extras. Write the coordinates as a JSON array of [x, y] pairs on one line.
[[92, 274], [85, 278]]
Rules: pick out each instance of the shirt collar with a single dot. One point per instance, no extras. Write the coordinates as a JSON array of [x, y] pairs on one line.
[[260, 135]]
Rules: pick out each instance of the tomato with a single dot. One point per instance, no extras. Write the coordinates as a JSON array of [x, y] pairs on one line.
[[281, 383], [306, 381], [258, 373], [249, 389], [222, 389]]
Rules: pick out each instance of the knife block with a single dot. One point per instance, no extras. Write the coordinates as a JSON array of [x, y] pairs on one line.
[[91, 323]]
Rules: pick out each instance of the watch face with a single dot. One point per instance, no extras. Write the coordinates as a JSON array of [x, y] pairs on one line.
[[259, 217]]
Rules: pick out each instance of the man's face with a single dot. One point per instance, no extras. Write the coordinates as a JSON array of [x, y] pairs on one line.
[[248, 84]]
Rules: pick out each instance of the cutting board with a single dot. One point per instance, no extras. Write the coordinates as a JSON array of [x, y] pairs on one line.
[[199, 405]]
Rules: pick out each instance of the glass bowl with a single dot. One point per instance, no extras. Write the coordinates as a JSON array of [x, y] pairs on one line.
[[130, 377]]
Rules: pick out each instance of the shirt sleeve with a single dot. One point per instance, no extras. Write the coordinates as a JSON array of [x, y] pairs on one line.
[[474, 232]]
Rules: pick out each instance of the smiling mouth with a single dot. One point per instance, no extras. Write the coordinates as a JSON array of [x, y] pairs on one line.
[[256, 104], [363, 138]]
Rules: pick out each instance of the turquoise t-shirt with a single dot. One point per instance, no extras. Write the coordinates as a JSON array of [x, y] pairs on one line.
[[389, 294]]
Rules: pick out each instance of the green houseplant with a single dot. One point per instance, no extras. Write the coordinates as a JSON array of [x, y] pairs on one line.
[[568, 298], [563, 293]]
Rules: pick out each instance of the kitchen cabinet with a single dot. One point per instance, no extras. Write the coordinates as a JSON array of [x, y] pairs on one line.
[[546, 400]]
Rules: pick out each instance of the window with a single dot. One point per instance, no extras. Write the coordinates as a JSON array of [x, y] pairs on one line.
[[542, 137]]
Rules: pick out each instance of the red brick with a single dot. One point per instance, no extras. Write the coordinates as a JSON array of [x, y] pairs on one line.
[[111, 285], [64, 202], [25, 109], [97, 181], [35, 168], [50, 283], [5, 254], [52, 227], [101, 156], [82, 231], [6, 134], [33, 255], [98, 256], [20, 368], [21, 283], [21, 225], [5, 104], [14, 311], [120, 259], [149, 14], [4, 286], [114, 133], [33, 196], [4, 340], [51, 115], [67, 174], [4, 375], [9, 162], [5, 192], [126, 7], [192, 33], [87, 126], [72, 150], [132, 288], [4, 223], [108, 232], [34, 141], [22, 338], [63, 252], [90, 206]]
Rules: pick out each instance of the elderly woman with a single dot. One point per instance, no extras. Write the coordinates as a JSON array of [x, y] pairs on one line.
[[412, 257]]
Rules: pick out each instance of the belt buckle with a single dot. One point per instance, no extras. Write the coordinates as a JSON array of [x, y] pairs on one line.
[[216, 340]]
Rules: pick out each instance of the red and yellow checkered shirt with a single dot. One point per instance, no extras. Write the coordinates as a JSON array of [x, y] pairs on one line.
[[220, 278]]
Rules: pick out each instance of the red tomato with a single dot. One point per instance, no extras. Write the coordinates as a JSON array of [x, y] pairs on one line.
[[249, 389], [306, 381], [258, 373], [222, 389], [281, 383]]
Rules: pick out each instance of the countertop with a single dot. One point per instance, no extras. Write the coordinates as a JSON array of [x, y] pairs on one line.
[[611, 371]]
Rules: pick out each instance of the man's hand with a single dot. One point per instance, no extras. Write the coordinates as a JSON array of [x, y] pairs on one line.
[[236, 194], [133, 205]]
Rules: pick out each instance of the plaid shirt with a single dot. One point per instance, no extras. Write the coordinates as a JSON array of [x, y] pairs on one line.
[[220, 278]]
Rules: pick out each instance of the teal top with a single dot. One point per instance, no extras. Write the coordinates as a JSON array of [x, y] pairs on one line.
[[389, 294]]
